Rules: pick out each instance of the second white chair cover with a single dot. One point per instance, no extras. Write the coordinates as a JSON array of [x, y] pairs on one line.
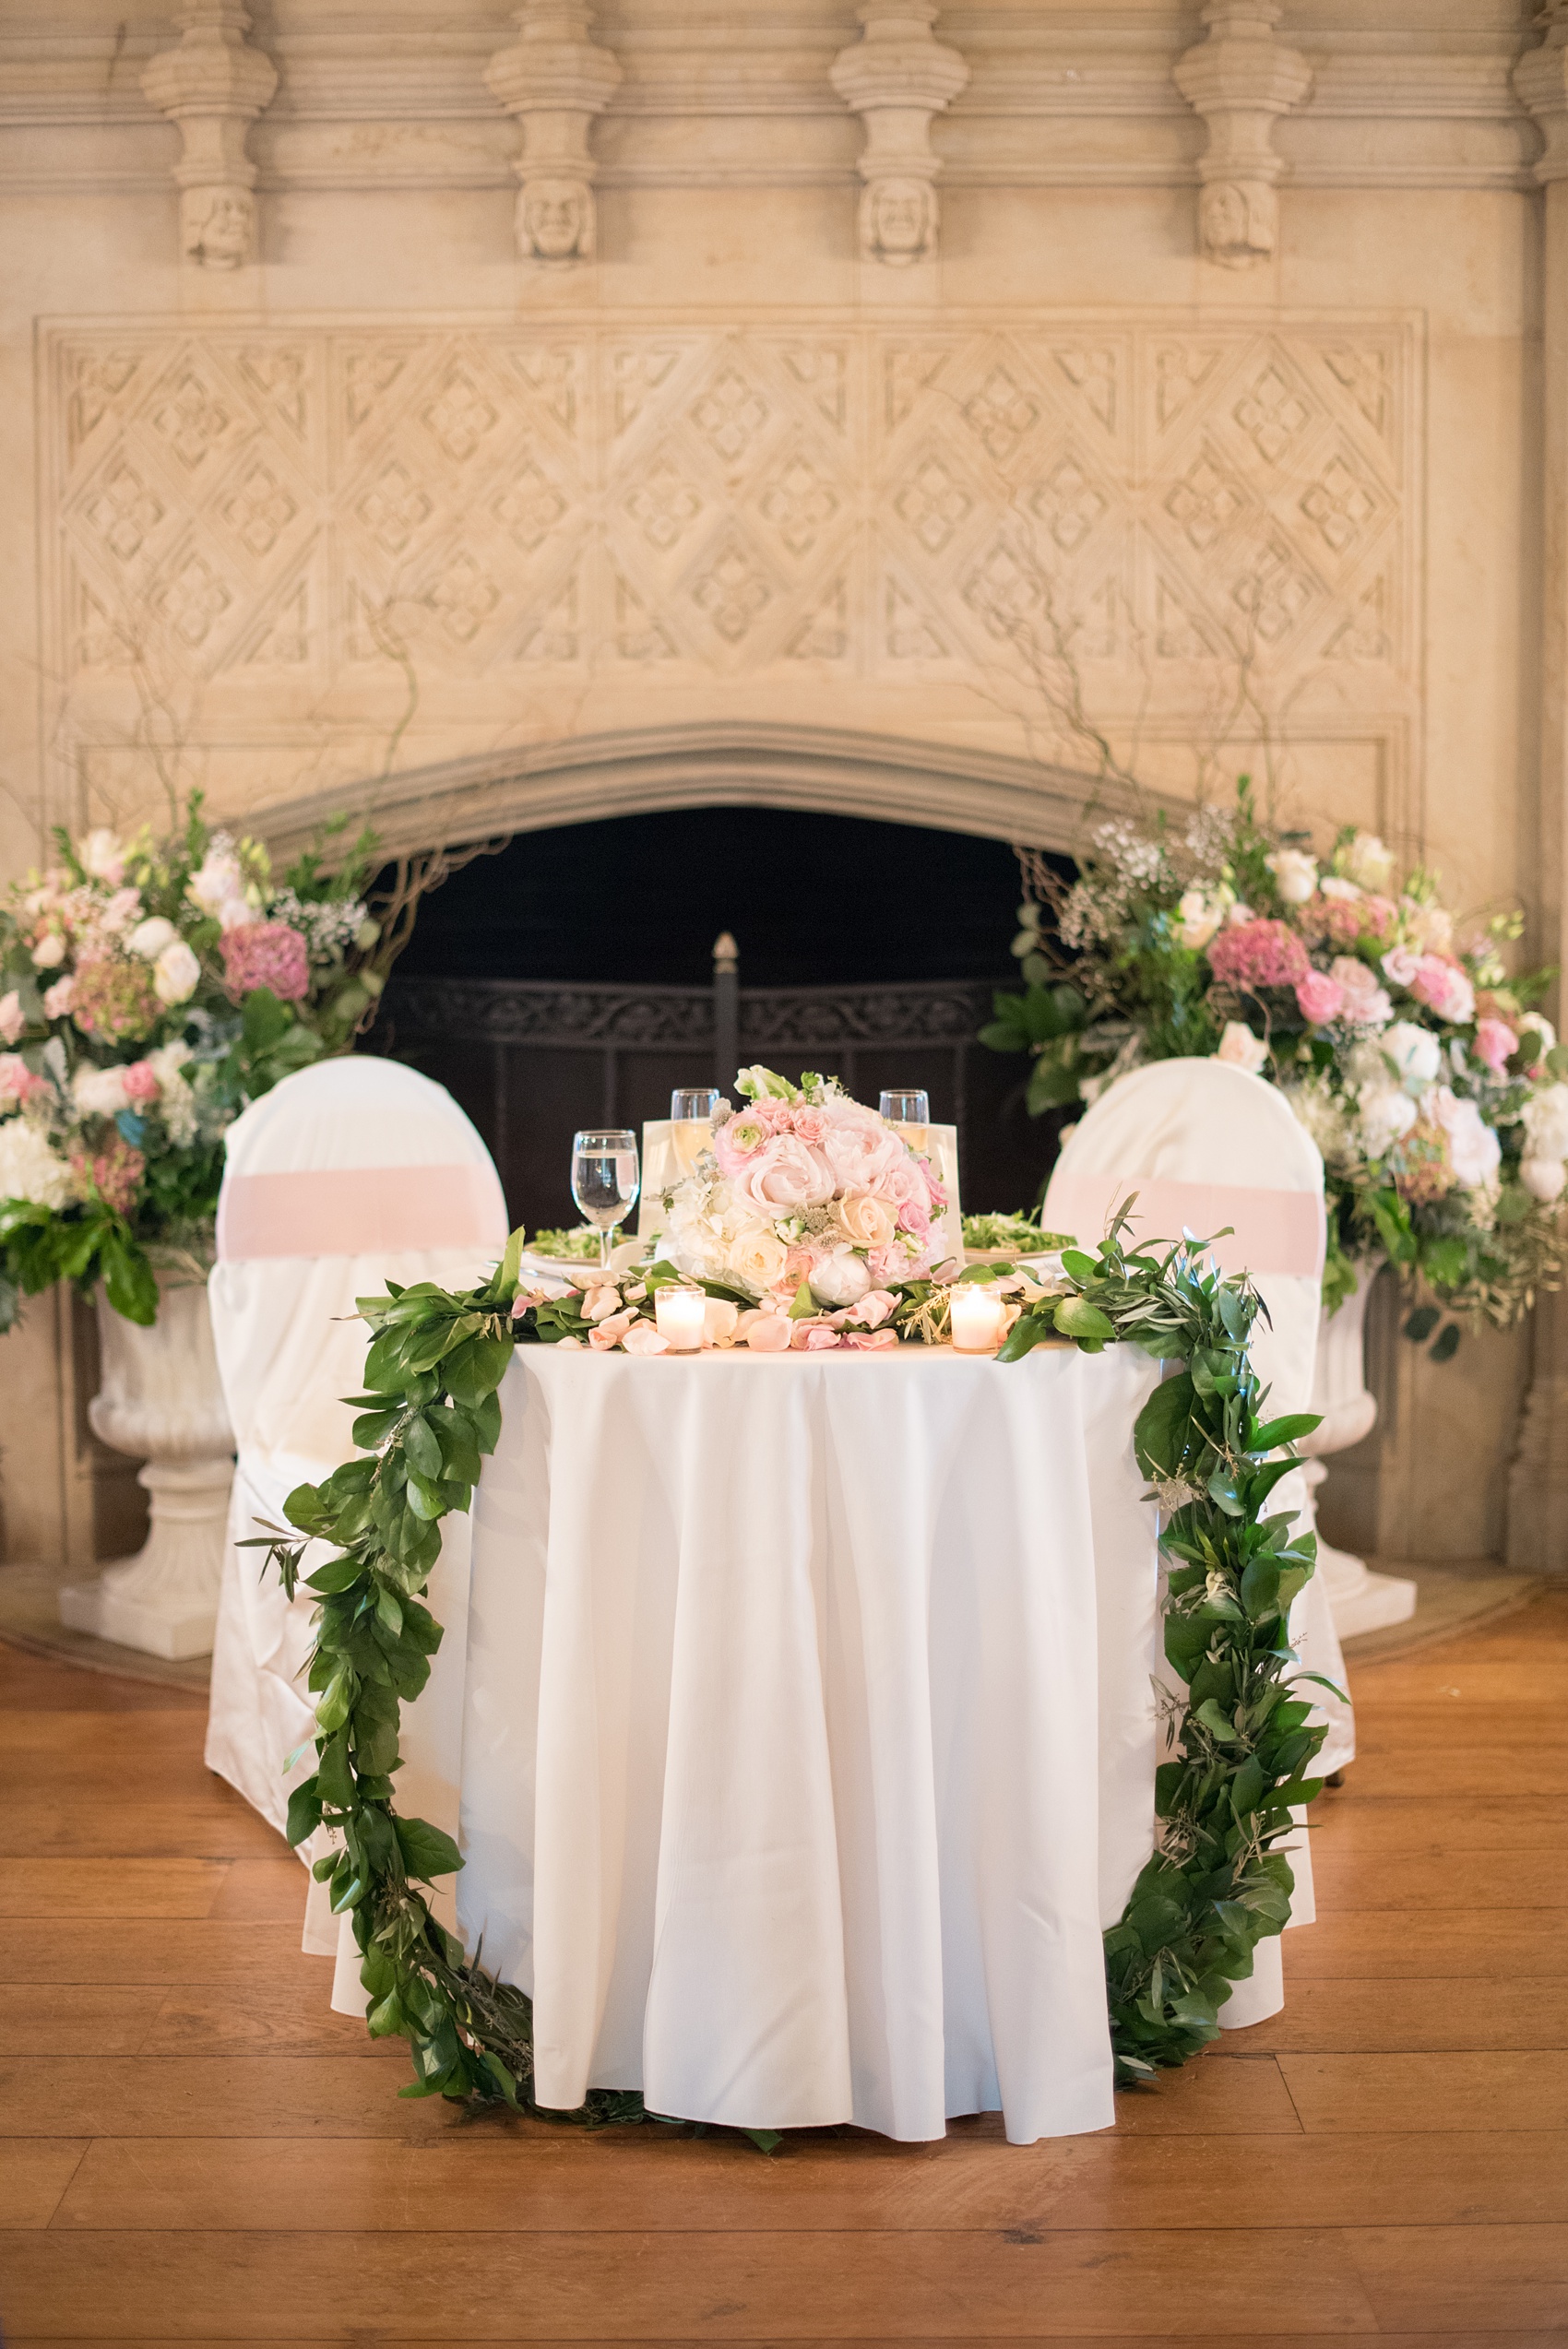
[[1207, 1144], [346, 1174]]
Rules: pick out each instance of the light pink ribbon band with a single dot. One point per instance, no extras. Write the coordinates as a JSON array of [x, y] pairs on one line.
[[359, 1210], [1273, 1231]]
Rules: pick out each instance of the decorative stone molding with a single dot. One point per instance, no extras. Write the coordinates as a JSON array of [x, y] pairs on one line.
[[896, 77], [1240, 79], [214, 87], [555, 79], [1540, 78]]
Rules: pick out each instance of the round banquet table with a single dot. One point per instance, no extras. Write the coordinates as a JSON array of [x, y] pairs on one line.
[[807, 1728]]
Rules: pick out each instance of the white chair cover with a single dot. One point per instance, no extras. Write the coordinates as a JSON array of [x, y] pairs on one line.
[[1207, 1144], [346, 1174]]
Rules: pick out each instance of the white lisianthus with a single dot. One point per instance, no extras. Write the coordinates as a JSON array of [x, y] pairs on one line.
[[1546, 1122], [174, 973], [1240, 1049], [1369, 862], [1543, 1178], [1295, 875], [101, 854], [1415, 1053], [1383, 1118], [100, 1093], [149, 937], [755, 1260], [29, 1168], [760, 1085], [1474, 1150], [841, 1279], [1199, 914]]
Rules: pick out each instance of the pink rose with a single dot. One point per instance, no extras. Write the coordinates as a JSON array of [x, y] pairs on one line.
[[17, 1082], [865, 1220], [914, 1216], [1444, 987], [934, 1190], [809, 1124], [1495, 1044], [643, 1338], [1366, 1004], [764, 1333], [1320, 998], [1400, 965], [783, 1178], [1378, 916], [140, 1081]]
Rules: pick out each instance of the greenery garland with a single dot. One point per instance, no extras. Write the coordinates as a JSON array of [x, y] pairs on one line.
[[1213, 1889]]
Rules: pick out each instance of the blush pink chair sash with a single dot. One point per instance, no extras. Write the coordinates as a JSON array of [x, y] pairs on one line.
[[359, 1211], [1271, 1231]]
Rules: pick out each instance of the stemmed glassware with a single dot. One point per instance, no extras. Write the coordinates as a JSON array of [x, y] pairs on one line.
[[691, 1123], [605, 1179], [909, 1109]]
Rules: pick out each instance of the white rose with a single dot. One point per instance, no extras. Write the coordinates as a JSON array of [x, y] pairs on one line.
[[101, 855], [50, 951], [840, 1280], [1346, 892], [1385, 1118], [1545, 1123], [29, 1168], [1370, 862], [149, 938], [754, 1260], [1295, 875], [1473, 1147], [865, 1220], [175, 973], [100, 1093], [216, 880], [783, 1178], [1415, 1053], [1198, 916], [1240, 1049], [1543, 1178]]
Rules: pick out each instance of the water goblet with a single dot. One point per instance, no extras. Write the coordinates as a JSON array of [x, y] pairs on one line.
[[605, 1179], [691, 1123]]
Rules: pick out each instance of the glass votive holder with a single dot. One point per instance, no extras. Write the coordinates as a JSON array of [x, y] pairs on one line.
[[975, 1317], [679, 1314]]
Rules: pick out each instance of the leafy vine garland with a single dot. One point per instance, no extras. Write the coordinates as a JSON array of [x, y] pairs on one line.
[[1214, 1886]]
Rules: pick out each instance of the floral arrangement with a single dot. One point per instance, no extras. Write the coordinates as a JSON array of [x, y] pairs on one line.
[[149, 988], [1434, 1088]]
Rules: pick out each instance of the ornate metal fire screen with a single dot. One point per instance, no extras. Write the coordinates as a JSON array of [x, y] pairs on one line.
[[530, 1062]]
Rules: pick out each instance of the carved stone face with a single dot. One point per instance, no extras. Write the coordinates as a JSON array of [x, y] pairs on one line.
[[217, 226], [555, 218], [1237, 222], [898, 221]]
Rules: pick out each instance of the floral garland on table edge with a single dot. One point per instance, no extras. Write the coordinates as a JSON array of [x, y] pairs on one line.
[[149, 989], [1432, 1089], [1214, 1887]]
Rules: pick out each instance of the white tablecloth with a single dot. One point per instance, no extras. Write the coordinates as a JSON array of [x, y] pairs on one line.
[[808, 1734]]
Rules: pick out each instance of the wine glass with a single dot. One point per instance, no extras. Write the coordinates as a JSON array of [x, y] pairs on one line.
[[605, 1179], [691, 1123]]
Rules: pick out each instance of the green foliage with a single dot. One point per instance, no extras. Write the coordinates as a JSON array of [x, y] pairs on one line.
[[429, 1414]]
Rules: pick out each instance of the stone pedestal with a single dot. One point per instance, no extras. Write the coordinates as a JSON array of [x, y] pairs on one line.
[[1359, 1600], [161, 1398]]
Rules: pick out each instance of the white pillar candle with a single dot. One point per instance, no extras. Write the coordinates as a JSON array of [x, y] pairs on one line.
[[976, 1312], [680, 1314]]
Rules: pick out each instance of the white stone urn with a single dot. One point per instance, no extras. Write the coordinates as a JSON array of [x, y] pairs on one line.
[[163, 1401], [1359, 1599]]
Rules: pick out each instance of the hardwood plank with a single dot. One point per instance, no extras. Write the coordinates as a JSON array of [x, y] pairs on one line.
[[1401, 2015], [64, 1889], [509, 2179], [1448, 2278], [197, 1827], [1470, 1880], [189, 1949], [72, 2021], [1507, 2338], [1352, 1820], [668, 2285], [1356, 2094], [353, 2096], [271, 1890], [1218, 2092], [1431, 1772], [34, 2177], [290, 2018], [1371, 1942], [39, 1685]]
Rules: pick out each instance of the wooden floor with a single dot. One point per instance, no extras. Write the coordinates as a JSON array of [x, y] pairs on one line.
[[193, 2149]]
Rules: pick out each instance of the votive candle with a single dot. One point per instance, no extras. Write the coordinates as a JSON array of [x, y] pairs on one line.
[[975, 1311], [680, 1314]]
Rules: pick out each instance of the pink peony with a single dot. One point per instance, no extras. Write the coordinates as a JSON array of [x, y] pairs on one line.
[[860, 1153], [1444, 987], [1366, 1004], [1258, 953], [140, 1081], [1495, 1044], [266, 953], [886, 1265], [782, 1178], [1319, 998]]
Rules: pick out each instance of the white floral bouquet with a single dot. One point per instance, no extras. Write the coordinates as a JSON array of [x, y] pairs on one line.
[[149, 988], [1431, 1084]]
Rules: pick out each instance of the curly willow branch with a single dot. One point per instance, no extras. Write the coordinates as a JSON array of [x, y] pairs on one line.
[[1213, 1888]]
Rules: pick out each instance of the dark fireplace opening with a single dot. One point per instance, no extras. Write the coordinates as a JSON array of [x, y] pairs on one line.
[[570, 980]]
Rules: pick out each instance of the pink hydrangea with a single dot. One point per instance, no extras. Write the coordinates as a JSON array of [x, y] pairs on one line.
[[1319, 998], [1258, 953], [114, 1174], [266, 953], [114, 999]]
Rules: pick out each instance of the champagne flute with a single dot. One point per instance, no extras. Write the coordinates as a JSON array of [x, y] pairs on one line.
[[691, 1123], [605, 1179], [908, 1110]]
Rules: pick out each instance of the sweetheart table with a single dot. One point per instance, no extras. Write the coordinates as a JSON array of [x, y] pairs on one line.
[[807, 1735]]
